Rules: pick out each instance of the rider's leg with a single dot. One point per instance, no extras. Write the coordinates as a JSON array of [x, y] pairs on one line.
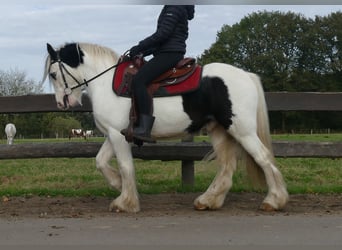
[[150, 71]]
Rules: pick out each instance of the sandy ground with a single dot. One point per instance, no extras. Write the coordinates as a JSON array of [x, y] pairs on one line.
[[163, 205], [168, 221]]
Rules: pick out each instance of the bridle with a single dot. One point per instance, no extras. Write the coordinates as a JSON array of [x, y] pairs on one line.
[[68, 90]]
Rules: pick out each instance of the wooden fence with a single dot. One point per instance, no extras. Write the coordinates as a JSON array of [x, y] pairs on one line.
[[187, 152], [276, 101]]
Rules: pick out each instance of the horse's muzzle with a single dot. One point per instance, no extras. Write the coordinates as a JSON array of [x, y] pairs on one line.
[[63, 105], [66, 100]]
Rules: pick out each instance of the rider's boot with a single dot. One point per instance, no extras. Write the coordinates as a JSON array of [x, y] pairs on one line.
[[143, 130]]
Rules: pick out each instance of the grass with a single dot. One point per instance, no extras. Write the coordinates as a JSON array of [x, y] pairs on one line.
[[79, 177], [53, 140], [308, 137], [312, 175]]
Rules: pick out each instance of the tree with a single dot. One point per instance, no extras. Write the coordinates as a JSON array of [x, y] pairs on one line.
[[289, 52], [29, 124], [62, 126], [331, 33], [14, 83], [264, 43]]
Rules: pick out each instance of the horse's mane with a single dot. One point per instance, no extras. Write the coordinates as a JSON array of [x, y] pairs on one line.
[[98, 51], [95, 51]]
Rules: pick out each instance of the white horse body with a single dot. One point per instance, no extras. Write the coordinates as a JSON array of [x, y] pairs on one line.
[[238, 83], [249, 129], [109, 103], [10, 131]]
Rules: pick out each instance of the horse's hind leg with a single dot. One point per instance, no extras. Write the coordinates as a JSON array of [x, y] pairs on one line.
[[277, 196], [102, 163], [225, 149]]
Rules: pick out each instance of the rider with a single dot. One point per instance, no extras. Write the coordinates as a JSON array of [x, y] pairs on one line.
[[167, 45]]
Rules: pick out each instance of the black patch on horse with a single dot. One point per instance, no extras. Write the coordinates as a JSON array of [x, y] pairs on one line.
[[210, 102], [71, 54]]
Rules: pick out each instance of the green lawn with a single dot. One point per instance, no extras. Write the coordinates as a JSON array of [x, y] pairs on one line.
[[308, 137], [79, 177]]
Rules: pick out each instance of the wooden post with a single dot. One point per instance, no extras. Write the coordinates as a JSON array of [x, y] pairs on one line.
[[188, 167]]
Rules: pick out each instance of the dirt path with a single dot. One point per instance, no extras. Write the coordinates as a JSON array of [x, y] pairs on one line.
[[168, 221], [238, 204]]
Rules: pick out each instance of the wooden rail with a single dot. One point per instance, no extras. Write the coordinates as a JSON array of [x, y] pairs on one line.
[[187, 152], [276, 101], [165, 151]]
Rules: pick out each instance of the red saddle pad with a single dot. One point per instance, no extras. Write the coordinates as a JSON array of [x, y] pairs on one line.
[[188, 85]]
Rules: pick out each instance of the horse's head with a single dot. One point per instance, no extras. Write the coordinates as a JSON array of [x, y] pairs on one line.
[[63, 68], [10, 139]]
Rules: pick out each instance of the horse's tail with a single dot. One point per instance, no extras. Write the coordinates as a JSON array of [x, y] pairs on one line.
[[263, 131]]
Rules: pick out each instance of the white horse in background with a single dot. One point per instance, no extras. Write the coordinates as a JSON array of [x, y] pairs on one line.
[[230, 103], [10, 131], [89, 133]]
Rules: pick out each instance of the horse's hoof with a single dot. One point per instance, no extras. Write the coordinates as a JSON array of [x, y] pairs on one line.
[[200, 207], [114, 207], [267, 207]]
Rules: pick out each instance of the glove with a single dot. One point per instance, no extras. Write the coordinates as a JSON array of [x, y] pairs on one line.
[[134, 51]]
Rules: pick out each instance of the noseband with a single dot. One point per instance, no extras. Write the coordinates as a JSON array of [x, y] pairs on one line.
[[68, 90]]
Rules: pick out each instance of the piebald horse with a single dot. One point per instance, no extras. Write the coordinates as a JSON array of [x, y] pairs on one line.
[[77, 132], [230, 103]]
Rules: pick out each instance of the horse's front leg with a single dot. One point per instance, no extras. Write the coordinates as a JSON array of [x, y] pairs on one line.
[[128, 200], [103, 157]]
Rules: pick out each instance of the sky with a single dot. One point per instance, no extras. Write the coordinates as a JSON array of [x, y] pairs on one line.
[[26, 26]]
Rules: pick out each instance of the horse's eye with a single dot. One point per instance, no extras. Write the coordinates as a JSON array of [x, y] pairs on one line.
[[53, 75]]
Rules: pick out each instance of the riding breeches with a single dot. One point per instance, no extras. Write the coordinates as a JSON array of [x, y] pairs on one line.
[[147, 73]]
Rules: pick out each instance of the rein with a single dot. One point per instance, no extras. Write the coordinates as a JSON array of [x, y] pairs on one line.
[[69, 90]]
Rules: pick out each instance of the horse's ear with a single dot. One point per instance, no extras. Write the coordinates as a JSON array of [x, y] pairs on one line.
[[52, 52]]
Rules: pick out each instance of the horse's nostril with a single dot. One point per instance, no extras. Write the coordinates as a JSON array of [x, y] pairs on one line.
[[60, 105]]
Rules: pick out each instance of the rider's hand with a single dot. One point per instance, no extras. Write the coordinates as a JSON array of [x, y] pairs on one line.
[[134, 51]]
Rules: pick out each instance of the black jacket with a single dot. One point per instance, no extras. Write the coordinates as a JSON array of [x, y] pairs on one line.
[[171, 33]]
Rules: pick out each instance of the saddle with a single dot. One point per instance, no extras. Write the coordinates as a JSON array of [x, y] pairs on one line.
[[161, 85], [182, 78]]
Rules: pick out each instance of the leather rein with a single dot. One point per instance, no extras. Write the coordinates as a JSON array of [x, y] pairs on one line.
[[68, 90]]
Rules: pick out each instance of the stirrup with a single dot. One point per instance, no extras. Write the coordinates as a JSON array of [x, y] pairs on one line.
[[144, 138]]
